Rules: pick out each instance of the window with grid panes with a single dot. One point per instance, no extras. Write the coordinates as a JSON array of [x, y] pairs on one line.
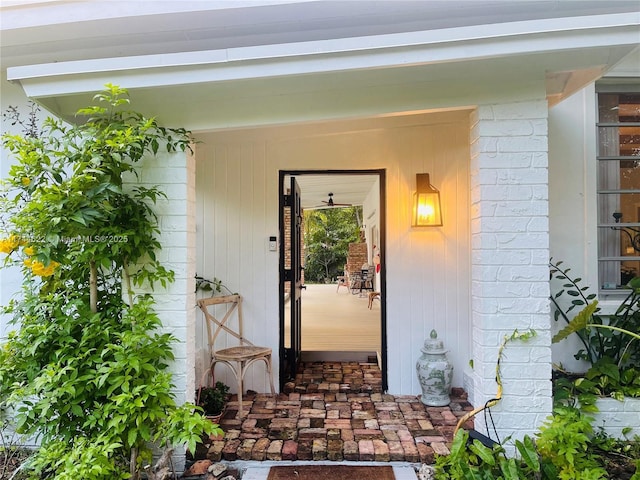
[[618, 163]]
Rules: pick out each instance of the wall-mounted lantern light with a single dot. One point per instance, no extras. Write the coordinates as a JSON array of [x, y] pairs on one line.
[[426, 203]]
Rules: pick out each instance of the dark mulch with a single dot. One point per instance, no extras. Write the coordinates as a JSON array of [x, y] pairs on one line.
[[621, 467], [10, 459]]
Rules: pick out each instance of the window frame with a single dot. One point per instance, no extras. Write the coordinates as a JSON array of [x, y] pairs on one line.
[[607, 240]]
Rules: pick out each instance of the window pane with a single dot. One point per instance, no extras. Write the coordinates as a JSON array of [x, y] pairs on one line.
[[619, 141], [621, 273], [625, 206], [619, 175], [618, 108], [619, 241]]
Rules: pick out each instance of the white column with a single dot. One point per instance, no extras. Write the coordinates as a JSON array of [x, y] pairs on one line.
[[510, 254], [174, 174]]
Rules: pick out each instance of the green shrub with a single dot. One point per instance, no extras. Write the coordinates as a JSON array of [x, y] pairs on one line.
[[565, 448], [213, 399], [87, 368], [473, 460], [611, 343], [564, 445]]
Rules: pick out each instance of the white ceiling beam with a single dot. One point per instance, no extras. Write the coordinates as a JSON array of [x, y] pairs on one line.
[[394, 50]]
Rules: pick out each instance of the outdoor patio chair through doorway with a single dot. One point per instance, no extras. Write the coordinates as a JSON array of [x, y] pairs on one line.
[[362, 282]]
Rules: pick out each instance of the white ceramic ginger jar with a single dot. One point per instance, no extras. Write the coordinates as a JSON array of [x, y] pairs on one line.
[[435, 372]]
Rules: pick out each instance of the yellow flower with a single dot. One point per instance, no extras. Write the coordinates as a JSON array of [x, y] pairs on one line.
[[8, 245], [50, 270], [38, 268], [5, 246], [30, 251], [26, 181]]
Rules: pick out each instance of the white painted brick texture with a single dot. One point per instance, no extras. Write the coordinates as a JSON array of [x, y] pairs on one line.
[[174, 174], [615, 416], [510, 252]]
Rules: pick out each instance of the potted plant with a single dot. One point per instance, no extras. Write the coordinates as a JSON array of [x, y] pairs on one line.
[[214, 286], [213, 400]]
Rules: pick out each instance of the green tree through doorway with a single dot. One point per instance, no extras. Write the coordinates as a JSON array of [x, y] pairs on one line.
[[327, 235]]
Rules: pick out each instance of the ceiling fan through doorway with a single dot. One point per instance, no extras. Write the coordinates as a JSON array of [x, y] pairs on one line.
[[331, 203]]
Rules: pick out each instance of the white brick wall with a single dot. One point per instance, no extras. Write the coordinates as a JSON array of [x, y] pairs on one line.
[[510, 252], [174, 174], [614, 416]]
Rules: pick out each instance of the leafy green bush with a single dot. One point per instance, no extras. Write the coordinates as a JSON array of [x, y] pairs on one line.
[[473, 460], [87, 368], [611, 342], [599, 343], [213, 399], [564, 442], [565, 448]]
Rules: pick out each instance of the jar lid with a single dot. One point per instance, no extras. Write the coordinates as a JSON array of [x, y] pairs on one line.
[[433, 345]]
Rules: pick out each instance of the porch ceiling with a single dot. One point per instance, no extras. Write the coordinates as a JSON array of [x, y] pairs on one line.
[[346, 189], [209, 66]]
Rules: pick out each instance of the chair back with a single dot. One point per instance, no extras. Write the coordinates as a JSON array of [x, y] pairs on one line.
[[371, 274], [215, 324], [364, 274]]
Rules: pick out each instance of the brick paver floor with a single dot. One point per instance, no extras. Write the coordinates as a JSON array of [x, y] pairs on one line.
[[337, 411]]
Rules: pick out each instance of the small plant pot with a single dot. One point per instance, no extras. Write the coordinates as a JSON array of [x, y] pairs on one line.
[[213, 399], [215, 419]]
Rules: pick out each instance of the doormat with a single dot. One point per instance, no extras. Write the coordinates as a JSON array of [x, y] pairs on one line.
[[331, 472]]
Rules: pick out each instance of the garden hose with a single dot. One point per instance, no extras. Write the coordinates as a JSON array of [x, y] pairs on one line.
[[491, 403], [494, 401]]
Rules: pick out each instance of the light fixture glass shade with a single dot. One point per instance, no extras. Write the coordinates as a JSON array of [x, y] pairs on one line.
[[426, 204]]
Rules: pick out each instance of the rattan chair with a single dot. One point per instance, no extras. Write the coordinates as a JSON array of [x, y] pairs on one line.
[[237, 358]]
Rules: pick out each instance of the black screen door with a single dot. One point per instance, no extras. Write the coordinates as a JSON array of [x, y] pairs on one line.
[[290, 282]]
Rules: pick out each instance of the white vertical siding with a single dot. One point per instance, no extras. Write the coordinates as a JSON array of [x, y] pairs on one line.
[[231, 219], [427, 269]]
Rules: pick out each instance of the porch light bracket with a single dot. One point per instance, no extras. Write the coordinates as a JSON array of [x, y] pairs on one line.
[[426, 203]]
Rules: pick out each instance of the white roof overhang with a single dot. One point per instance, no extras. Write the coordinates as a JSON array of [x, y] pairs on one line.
[[347, 77]]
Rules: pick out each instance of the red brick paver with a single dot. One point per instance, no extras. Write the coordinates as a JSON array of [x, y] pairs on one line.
[[337, 411]]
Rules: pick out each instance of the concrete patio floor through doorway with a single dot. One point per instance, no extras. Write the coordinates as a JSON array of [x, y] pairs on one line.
[[337, 412]]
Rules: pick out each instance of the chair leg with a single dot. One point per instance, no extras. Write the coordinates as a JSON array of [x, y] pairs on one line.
[[207, 372], [240, 378], [270, 373], [242, 368]]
